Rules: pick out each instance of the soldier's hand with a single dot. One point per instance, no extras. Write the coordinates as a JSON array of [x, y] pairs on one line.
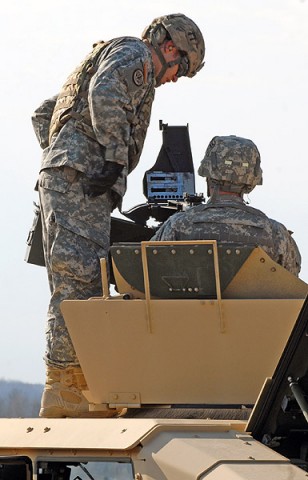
[[98, 184]]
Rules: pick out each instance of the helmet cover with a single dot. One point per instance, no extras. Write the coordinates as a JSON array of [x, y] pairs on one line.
[[185, 35], [233, 163]]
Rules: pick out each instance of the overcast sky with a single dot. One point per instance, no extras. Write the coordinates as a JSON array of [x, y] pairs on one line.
[[254, 85]]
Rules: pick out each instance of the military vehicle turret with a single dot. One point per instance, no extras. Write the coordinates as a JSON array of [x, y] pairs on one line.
[[204, 345]]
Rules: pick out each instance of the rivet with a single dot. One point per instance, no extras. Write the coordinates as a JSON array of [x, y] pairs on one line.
[[262, 260], [136, 252], [118, 252], [210, 252], [228, 252], [154, 252], [237, 251], [196, 289], [133, 397], [29, 429], [191, 252], [173, 252], [273, 269], [170, 289], [115, 397], [46, 429], [190, 289]]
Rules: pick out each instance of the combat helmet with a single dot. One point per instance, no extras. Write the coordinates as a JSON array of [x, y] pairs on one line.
[[186, 36], [233, 163]]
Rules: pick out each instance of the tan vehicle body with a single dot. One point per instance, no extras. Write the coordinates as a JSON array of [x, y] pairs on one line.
[[157, 449], [140, 351]]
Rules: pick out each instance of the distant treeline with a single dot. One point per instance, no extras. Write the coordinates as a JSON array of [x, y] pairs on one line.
[[18, 399]]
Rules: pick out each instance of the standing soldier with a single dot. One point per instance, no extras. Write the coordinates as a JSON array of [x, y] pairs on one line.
[[92, 134]]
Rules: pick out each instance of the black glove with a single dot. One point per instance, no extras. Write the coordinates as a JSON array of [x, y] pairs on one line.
[[101, 182]]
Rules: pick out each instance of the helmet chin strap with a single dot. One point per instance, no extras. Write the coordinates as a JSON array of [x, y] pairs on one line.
[[164, 65]]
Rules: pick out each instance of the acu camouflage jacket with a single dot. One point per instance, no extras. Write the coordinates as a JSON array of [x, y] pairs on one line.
[[111, 117]]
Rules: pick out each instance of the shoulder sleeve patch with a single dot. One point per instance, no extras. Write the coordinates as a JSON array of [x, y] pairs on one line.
[[134, 76]]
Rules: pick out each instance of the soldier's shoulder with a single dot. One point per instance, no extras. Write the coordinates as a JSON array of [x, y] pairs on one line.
[[278, 226], [185, 216], [132, 59]]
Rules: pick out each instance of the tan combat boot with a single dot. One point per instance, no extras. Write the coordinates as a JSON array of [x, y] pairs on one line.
[[62, 395]]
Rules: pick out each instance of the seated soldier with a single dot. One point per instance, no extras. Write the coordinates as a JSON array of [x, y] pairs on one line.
[[232, 167]]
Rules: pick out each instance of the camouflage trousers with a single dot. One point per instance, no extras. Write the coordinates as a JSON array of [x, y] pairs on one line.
[[76, 232]]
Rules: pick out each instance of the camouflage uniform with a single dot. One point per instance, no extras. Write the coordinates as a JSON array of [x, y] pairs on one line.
[[227, 219], [76, 227]]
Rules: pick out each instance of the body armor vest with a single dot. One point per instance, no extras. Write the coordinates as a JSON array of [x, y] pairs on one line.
[[74, 89]]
